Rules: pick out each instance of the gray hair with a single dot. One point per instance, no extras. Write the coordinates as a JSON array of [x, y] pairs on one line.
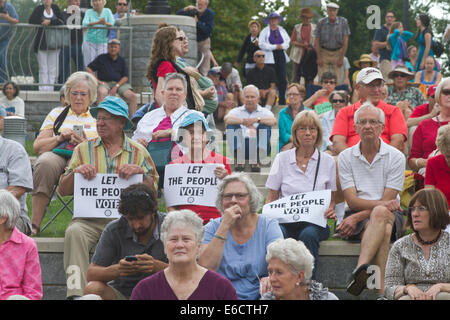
[[368, 105], [174, 76], [256, 197], [443, 139], [186, 218], [437, 95], [9, 208], [78, 77], [251, 86], [295, 254]]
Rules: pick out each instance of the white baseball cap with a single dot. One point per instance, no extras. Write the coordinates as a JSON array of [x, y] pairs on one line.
[[367, 75], [332, 5]]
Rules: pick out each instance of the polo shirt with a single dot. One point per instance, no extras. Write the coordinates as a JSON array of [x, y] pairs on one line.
[[118, 241], [381, 35], [394, 123], [108, 69], [438, 175], [5, 31], [261, 78], [243, 113], [387, 170], [285, 175]]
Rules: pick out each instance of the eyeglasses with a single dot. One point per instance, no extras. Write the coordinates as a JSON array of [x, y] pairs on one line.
[[182, 38], [402, 75], [337, 100], [420, 208], [371, 122], [259, 56], [76, 93], [239, 196], [122, 4], [445, 92], [329, 82], [304, 129]]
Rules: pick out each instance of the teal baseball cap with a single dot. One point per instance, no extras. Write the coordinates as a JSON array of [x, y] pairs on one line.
[[115, 106], [194, 117]]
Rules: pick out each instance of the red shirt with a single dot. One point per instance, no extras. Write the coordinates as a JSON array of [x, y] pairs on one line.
[[424, 138], [438, 175], [420, 111], [204, 212], [164, 68], [394, 123]]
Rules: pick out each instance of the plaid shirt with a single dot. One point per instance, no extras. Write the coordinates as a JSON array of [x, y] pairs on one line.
[[95, 153], [331, 35], [20, 271], [412, 94]]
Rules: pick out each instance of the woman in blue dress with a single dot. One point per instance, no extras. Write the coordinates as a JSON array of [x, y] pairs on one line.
[[424, 38]]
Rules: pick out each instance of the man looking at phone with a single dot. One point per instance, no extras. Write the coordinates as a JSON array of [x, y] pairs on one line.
[[130, 248]]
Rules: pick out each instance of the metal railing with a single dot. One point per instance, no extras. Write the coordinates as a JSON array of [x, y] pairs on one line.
[[21, 46]]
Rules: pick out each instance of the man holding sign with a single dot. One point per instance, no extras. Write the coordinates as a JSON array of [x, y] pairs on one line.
[[113, 153], [193, 135]]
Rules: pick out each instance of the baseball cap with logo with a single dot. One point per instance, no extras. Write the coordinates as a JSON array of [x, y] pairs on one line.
[[367, 75], [431, 91]]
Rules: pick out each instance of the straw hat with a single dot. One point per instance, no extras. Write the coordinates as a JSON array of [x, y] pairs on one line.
[[401, 69], [365, 58]]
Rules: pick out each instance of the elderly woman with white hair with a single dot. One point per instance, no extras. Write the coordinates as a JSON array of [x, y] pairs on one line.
[[290, 266], [20, 271], [96, 38], [235, 244], [184, 279]]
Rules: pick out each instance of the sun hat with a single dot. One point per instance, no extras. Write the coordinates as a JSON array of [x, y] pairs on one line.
[[273, 15], [115, 106], [192, 118], [402, 69], [306, 12], [365, 58], [367, 75]]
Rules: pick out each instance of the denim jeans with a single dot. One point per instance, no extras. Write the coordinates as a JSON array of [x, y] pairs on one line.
[[72, 52], [310, 234], [3, 64], [237, 143]]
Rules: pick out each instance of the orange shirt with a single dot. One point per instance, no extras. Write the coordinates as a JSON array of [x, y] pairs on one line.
[[394, 123]]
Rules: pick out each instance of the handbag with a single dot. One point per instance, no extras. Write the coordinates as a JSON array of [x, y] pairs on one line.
[[437, 48], [57, 38]]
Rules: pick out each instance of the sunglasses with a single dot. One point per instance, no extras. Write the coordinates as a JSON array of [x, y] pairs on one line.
[[122, 4], [329, 82], [402, 75], [259, 56], [446, 92], [181, 38], [337, 100]]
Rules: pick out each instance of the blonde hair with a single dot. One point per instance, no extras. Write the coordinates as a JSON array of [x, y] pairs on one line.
[[307, 117]]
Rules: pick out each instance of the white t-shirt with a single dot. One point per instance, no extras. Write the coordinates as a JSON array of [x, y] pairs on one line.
[[16, 103]]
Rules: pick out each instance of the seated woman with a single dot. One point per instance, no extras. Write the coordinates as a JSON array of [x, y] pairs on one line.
[[438, 167], [424, 137], [428, 76], [304, 169], [57, 132], [20, 271], [194, 138], [290, 266], [296, 94], [184, 279], [235, 244], [13, 104], [417, 266], [338, 99]]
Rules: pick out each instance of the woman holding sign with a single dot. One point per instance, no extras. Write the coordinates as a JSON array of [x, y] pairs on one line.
[[304, 169], [193, 134]]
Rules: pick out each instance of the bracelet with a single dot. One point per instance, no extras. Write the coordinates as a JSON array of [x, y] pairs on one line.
[[220, 237]]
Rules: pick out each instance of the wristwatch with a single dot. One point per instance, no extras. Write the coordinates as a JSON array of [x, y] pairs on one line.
[[117, 85], [259, 119]]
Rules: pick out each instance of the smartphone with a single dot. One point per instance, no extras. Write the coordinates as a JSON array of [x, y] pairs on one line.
[[130, 258], [78, 129]]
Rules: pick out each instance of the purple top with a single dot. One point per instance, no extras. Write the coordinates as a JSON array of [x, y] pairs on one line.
[[275, 37], [212, 286]]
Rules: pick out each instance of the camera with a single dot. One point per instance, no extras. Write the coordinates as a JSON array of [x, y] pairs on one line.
[[192, 13]]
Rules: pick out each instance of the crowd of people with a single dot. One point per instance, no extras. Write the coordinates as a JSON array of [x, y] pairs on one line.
[[360, 147]]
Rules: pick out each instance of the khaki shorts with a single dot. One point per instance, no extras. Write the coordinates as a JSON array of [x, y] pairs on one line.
[[121, 90]]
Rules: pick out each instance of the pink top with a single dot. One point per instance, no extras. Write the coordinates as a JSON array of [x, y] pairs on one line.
[[20, 271], [165, 124]]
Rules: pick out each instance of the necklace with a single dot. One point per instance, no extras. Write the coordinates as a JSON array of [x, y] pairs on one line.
[[421, 241]]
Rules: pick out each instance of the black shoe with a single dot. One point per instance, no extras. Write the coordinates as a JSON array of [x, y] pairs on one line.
[[239, 168], [255, 169], [358, 280]]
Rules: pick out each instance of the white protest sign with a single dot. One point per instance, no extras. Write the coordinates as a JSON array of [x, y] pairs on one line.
[[191, 183], [99, 197], [300, 207]]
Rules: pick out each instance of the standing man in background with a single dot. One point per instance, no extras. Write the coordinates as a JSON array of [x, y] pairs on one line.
[[204, 17], [380, 42], [9, 15]]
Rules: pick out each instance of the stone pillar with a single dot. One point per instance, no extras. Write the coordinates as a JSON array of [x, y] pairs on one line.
[[143, 29]]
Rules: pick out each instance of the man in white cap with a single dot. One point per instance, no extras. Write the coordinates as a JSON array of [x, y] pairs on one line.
[[369, 84], [331, 42]]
